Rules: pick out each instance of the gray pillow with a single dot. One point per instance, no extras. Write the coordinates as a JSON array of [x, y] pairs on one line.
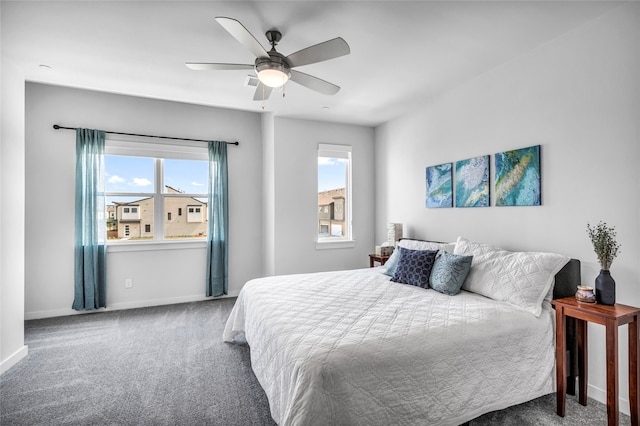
[[449, 272]]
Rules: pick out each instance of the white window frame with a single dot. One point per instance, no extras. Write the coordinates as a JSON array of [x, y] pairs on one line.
[[338, 151], [158, 150]]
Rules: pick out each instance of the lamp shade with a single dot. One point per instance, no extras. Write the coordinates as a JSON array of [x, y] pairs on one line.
[[272, 77], [394, 233]]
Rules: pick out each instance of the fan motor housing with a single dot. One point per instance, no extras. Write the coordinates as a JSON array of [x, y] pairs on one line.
[[276, 61]]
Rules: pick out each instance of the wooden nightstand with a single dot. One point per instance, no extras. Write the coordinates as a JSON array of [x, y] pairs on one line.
[[611, 317], [377, 258]]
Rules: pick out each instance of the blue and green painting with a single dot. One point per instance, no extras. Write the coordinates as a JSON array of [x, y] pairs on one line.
[[439, 186], [518, 177], [472, 182]]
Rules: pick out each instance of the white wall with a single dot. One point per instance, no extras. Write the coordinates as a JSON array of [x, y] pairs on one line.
[[579, 97], [272, 185], [159, 276], [268, 192], [296, 185], [12, 208]]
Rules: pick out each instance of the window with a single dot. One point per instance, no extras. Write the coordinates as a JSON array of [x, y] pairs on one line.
[[334, 193], [146, 182]]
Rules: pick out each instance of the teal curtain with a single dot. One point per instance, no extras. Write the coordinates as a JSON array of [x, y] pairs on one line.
[[218, 218], [90, 233]]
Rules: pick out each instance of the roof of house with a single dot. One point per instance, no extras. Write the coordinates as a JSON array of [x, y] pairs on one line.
[[328, 197]]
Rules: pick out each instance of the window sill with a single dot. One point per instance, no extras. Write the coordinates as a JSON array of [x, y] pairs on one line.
[[154, 245], [329, 245]]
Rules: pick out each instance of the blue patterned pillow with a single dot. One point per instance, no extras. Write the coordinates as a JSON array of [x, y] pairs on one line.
[[414, 267], [449, 273]]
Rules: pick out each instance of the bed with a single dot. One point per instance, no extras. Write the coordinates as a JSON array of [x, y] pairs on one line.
[[355, 348]]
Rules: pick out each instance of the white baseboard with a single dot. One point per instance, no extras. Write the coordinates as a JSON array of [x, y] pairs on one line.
[[50, 314], [120, 306], [600, 395], [13, 359]]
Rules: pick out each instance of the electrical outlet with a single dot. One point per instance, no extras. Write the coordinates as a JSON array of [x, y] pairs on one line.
[[128, 283]]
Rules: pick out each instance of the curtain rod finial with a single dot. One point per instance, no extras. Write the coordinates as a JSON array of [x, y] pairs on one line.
[[55, 126]]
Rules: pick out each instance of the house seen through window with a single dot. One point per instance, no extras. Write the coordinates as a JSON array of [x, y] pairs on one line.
[[334, 195], [145, 197]]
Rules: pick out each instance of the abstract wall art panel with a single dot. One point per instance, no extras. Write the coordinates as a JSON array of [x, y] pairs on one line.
[[518, 177], [472, 182], [439, 186]]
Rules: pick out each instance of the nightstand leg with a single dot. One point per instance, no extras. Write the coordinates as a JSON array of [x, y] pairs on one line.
[[583, 362], [561, 365], [634, 378], [612, 372]]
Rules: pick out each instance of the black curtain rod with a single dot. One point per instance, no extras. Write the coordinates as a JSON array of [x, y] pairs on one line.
[[57, 127]]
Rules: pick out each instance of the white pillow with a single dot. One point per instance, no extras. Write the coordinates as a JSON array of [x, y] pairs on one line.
[[521, 279], [425, 245]]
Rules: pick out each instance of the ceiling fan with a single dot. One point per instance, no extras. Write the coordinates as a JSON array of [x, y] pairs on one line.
[[273, 68]]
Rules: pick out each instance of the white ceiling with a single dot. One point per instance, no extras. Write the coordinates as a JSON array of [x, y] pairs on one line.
[[402, 53]]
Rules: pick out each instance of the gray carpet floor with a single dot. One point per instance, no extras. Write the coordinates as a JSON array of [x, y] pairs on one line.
[[167, 365]]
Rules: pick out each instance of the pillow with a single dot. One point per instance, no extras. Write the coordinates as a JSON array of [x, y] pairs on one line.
[[425, 245], [449, 272], [392, 262], [414, 267], [521, 279]]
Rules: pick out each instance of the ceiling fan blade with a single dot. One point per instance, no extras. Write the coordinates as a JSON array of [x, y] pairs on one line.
[[320, 52], [262, 92], [203, 66], [314, 83], [240, 33]]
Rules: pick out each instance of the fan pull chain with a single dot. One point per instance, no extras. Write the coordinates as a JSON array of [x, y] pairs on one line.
[[283, 84], [263, 96]]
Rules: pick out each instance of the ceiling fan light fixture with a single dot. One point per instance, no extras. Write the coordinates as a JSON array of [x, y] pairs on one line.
[[273, 77], [272, 72]]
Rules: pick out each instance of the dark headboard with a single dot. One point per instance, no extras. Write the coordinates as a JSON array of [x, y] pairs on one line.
[[566, 282]]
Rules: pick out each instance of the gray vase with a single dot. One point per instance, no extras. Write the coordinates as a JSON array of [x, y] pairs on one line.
[[605, 288]]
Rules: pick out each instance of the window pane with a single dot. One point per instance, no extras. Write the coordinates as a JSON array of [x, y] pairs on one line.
[[128, 174], [186, 176], [191, 224], [332, 184], [131, 193], [129, 218]]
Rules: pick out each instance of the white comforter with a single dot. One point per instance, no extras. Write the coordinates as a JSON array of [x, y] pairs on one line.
[[353, 348]]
